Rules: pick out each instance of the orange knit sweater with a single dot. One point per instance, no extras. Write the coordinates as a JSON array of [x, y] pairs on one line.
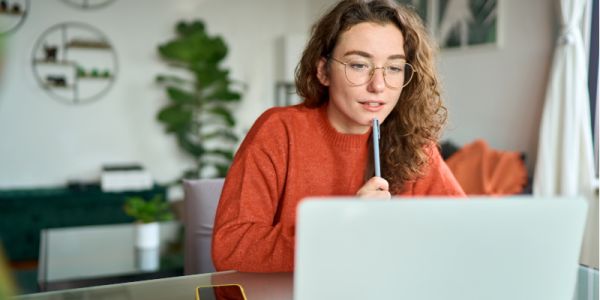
[[291, 153]]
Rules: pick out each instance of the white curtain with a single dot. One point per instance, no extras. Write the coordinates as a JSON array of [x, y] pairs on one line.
[[565, 163]]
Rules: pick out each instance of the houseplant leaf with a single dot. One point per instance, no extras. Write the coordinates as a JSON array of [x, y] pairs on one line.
[[223, 133], [199, 110], [224, 113], [180, 95], [172, 79], [175, 117], [222, 93], [185, 29], [227, 154]]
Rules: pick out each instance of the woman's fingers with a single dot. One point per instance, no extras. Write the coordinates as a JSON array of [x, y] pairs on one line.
[[376, 187]]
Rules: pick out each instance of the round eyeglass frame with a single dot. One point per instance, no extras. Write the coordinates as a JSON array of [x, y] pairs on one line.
[[406, 82]]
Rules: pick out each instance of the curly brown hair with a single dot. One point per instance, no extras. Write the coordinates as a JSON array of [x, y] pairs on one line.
[[415, 123]]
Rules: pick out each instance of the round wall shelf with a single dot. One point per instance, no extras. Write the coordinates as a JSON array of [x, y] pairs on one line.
[[88, 4], [12, 14], [74, 62]]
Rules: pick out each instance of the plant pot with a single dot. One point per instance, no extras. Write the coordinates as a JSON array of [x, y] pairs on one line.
[[147, 260], [147, 246]]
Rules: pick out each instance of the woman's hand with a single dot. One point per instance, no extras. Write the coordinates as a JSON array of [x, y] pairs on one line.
[[376, 187]]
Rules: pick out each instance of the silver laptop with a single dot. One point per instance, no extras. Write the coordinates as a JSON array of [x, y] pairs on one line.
[[436, 248]]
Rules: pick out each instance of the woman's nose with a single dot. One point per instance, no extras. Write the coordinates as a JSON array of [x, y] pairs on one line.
[[377, 83]]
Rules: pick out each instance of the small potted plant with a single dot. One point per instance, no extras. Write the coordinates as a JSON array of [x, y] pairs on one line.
[[148, 214]]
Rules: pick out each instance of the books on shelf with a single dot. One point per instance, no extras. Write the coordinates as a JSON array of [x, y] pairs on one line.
[[125, 177]]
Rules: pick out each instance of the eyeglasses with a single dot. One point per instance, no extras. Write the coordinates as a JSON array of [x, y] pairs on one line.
[[359, 72]]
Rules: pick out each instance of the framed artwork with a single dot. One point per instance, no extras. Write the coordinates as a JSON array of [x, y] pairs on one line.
[[459, 23], [420, 6]]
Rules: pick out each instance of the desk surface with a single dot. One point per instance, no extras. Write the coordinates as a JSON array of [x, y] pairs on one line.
[[180, 288], [258, 286]]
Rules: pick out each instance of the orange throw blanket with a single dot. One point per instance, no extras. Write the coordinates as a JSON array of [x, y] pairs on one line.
[[481, 170]]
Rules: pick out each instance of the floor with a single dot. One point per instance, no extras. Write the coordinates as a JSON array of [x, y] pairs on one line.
[[25, 275]]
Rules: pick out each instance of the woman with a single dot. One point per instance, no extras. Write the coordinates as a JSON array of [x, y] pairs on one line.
[[365, 59]]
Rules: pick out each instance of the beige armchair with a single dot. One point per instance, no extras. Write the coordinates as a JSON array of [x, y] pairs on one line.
[[200, 204]]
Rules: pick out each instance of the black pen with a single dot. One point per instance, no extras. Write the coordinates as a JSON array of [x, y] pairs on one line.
[[376, 137]]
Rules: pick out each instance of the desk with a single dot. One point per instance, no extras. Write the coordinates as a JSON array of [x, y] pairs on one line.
[[94, 255], [258, 286]]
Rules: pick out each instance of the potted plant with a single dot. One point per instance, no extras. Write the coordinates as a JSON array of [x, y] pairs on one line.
[[148, 214], [199, 111]]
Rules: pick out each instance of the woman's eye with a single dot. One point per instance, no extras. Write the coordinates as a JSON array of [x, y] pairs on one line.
[[359, 66], [395, 69]]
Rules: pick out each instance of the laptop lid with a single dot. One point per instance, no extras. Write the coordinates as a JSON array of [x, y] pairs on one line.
[[436, 248]]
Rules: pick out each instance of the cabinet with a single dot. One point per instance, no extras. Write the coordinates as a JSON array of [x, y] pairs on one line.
[[24, 213]]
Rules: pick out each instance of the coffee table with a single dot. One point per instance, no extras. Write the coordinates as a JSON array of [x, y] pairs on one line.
[[86, 256]]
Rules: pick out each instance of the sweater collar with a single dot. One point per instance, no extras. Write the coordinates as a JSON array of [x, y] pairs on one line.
[[340, 139]]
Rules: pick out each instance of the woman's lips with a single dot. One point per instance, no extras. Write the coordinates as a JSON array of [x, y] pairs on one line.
[[372, 106]]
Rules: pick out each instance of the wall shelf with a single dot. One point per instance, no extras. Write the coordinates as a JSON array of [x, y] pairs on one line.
[[84, 44], [88, 4], [54, 62], [55, 86], [89, 75], [12, 15], [94, 78]]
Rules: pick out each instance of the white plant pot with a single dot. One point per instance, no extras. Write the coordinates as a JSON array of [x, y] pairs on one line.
[[147, 235], [147, 260], [147, 238]]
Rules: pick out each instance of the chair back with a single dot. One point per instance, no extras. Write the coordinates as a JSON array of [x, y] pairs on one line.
[[587, 284], [200, 203]]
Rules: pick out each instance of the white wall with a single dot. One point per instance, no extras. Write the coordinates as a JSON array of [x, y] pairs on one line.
[[497, 94], [44, 142]]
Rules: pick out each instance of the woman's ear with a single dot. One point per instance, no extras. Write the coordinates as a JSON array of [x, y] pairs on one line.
[[322, 72]]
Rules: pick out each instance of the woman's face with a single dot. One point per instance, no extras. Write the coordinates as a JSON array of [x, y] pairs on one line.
[[352, 105]]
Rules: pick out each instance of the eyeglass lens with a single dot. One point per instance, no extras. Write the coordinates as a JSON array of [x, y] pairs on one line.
[[395, 74]]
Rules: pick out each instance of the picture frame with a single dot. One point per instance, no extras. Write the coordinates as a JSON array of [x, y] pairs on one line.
[[459, 24]]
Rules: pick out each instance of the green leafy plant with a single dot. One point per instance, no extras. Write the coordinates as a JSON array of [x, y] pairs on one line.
[[199, 111], [148, 211]]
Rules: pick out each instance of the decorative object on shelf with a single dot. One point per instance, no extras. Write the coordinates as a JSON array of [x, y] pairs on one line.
[[67, 56], [199, 112], [50, 53], [12, 14], [88, 4], [147, 235], [125, 177], [56, 80], [459, 23]]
